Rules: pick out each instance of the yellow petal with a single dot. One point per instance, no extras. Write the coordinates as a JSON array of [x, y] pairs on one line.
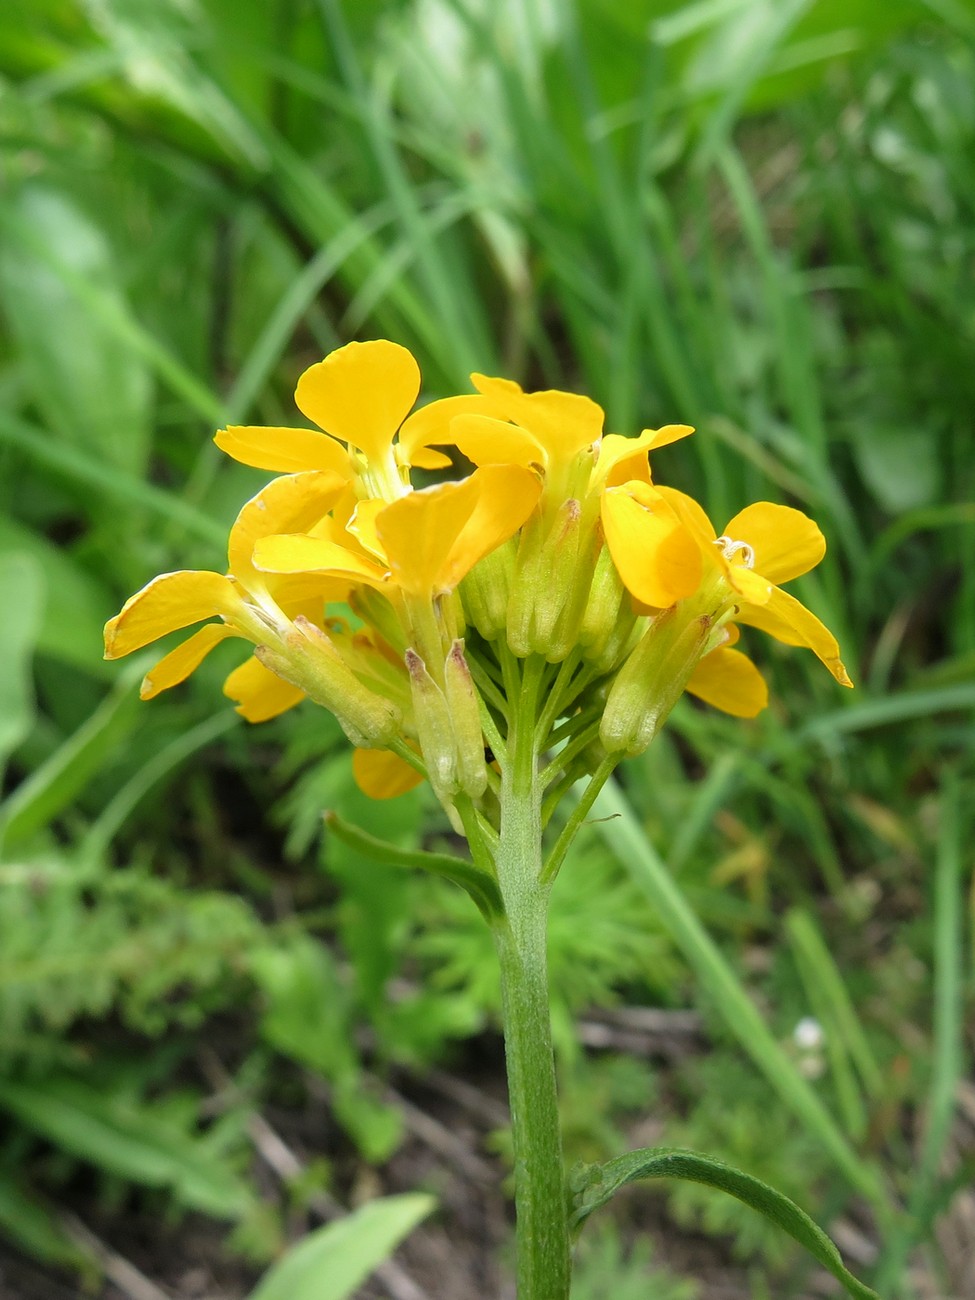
[[167, 603], [285, 451], [506, 497], [185, 659], [383, 775], [731, 682], [789, 621], [786, 542], [486, 441], [361, 393], [298, 553], [290, 504], [259, 693], [427, 458], [753, 588], [657, 558], [430, 425], [689, 512], [564, 423], [621, 459], [362, 526], [432, 538]]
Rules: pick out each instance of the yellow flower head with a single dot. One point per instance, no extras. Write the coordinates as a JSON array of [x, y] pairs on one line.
[[559, 548]]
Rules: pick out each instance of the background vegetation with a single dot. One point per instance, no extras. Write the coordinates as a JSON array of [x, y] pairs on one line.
[[756, 216]]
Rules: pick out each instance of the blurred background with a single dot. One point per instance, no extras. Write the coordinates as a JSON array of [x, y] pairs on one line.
[[754, 216]]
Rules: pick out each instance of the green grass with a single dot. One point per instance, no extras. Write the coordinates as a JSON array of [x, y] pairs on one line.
[[757, 218]]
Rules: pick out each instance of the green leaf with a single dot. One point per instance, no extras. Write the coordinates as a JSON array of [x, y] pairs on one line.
[[35, 1230], [52, 786], [21, 599], [900, 466], [331, 1263], [71, 625], [132, 1140], [482, 889], [94, 391], [599, 1183]]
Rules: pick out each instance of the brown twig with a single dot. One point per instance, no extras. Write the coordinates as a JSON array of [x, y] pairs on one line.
[[117, 1268]]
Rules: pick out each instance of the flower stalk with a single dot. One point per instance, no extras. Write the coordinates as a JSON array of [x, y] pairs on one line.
[[543, 1263]]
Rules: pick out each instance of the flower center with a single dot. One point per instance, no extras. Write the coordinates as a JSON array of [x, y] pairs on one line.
[[730, 548]]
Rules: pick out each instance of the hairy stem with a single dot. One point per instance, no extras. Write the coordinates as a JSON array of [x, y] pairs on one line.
[[520, 938]]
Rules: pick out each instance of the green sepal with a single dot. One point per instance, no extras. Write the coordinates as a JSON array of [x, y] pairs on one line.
[[593, 1186], [482, 888]]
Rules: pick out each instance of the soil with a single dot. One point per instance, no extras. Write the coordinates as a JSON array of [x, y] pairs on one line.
[[463, 1251]]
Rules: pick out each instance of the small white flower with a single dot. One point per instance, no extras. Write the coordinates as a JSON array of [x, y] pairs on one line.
[[808, 1035]]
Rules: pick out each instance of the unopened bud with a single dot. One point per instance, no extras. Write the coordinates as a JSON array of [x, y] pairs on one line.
[[465, 720], [565, 637], [307, 659], [608, 602], [433, 729], [547, 579], [485, 591], [652, 680]]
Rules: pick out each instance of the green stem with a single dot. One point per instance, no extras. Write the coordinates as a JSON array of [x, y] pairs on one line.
[[578, 816], [520, 937]]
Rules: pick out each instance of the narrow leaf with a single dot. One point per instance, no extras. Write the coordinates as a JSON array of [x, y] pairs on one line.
[[331, 1263], [34, 1228], [130, 1140], [21, 599], [602, 1182], [481, 887]]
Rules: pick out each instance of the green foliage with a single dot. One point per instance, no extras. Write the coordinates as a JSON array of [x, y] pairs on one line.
[[604, 1270], [330, 1263], [145, 1142], [308, 1017], [82, 945], [732, 1116], [22, 595], [755, 218], [595, 1186]]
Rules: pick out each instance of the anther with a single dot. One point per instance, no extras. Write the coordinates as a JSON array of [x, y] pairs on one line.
[[730, 548]]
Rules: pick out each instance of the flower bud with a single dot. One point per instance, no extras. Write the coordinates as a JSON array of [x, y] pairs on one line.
[[306, 657], [465, 721], [547, 580], [433, 728], [608, 601], [652, 680], [486, 588]]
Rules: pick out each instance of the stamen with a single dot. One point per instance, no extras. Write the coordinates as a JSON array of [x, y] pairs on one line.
[[730, 548]]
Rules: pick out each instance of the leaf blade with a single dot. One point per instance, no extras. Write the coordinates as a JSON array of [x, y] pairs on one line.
[[330, 1263], [664, 1162]]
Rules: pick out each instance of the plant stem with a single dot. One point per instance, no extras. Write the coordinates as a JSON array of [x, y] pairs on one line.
[[520, 938]]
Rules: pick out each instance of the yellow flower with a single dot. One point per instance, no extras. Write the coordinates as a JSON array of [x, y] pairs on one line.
[[728, 680], [361, 396], [422, 544], [763, 546], [244, 598], [566, 549], [553, 431], [282, 615], [667, 551]]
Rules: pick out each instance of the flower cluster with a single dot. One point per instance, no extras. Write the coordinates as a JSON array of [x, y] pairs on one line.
[[410, 612]]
